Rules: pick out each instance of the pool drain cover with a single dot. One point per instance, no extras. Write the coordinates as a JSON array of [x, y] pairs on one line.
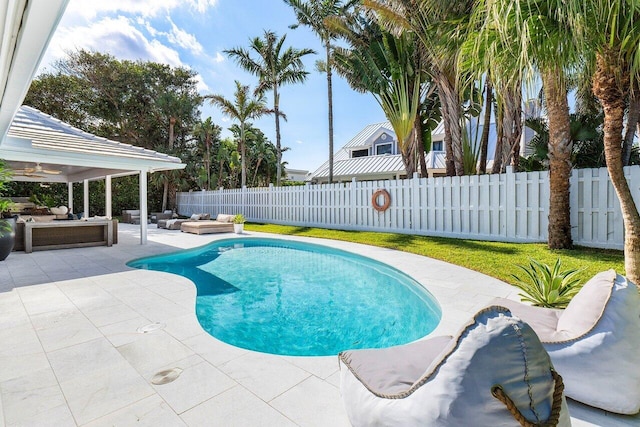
[[150, 327], [166, 376]]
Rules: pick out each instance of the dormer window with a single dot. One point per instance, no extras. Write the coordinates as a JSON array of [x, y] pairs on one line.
[[384, 148], [359, 153]]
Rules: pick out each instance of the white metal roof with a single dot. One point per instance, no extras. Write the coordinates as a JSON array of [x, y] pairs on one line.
[[362, 166], [37, 137], [363, 138], [26, 26]]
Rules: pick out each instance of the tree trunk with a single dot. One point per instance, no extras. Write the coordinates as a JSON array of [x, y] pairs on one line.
[[243, 158], [165, 193], [417, 130], [496, 167], [330, 97], [276, 110], [632, 121], [207, 141], [451, 118], [512, 127], [484, 141], [560, 146], [611, 95]]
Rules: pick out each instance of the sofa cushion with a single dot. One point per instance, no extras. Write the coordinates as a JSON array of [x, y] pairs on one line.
[[195, 217]]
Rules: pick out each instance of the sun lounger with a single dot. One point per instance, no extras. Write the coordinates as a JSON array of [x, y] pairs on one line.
[[594, 342], [495, 363], [222, 224]]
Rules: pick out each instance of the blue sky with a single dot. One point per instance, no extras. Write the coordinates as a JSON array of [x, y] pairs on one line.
[[194, 34]]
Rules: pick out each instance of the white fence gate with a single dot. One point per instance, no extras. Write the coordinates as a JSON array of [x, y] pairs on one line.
[[509, 207]]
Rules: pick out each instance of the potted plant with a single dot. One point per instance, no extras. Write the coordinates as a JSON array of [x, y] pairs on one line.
[[238, 223], [7, 225]]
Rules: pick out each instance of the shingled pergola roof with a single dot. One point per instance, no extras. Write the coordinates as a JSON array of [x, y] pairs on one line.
[[35, 137]]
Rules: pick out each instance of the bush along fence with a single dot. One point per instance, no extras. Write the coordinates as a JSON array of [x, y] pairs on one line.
[[510, 207]]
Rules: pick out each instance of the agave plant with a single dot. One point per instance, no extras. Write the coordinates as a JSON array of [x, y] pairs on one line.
[[544, 286]]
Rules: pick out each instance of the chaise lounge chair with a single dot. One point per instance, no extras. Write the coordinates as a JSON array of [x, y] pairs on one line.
[[493, 371], [594, 343], [222, 224]]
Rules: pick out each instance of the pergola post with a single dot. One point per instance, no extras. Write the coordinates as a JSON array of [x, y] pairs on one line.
[[143, 207], [70, 196], [107, 197], [86, 199]]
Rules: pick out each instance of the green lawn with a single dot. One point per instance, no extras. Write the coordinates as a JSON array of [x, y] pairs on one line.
[[491, 258]]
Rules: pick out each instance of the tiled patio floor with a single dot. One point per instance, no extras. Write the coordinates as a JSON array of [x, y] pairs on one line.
[[73, 353]]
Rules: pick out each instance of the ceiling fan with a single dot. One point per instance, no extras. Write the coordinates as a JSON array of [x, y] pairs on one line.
[[36, 171]]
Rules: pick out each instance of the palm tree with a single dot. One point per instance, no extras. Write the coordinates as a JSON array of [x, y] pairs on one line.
[[608, 35], [515, 39], [441, 27], [314, 13], [205, 131], [274, 68], [388, 68], [243, 108]]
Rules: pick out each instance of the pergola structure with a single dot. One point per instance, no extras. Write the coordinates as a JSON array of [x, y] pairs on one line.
[[38, 143], [40, 148]]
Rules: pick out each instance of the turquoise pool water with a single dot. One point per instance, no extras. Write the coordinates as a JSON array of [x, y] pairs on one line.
[[299, 299]]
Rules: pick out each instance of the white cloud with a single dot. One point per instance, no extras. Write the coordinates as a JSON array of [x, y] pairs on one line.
[[219, 58], [299, 142], [201, 85], [183, 39], [116, 36], [89, 9]]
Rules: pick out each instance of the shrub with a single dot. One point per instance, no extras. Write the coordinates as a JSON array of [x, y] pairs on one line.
[[544, 286], [238, 219]]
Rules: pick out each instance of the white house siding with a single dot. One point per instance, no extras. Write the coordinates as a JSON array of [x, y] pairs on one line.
[[509, 207]]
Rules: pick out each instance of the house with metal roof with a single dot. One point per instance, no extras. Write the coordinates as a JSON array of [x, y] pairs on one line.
[[374, 154]]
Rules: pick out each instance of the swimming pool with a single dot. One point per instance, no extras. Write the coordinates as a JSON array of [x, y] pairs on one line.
[[299, 299]]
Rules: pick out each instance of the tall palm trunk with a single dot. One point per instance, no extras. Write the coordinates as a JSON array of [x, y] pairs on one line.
[[497, 155], [330, 97], [512, 125], [484, 140], [451, 118], [207, 142], [611, 95], [243, 157], [560, 146], [632, 122], [276, 110], [165, 189]]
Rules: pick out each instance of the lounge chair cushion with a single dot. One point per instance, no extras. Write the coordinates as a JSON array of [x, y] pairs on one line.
[[206, 227], [594, 344], [195, 217], [450, 385], [225, 218]]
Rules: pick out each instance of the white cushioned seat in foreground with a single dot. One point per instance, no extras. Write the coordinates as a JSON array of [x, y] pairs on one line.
[[451, 381], [594, 343]]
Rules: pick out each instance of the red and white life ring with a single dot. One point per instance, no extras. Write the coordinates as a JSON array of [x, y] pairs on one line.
[[386, 197]]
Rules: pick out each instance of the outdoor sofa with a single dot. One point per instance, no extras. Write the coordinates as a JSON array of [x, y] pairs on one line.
[[594, 342], [222, 224], [494, 370], [131, 216]]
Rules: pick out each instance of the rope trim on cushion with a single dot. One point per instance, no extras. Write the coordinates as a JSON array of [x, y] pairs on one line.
[[498, 392], [428, 374]]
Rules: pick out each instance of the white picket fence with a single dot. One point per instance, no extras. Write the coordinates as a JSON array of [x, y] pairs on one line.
[[510, 207]]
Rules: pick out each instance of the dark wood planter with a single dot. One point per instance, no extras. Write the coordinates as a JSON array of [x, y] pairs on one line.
[[7, 237]]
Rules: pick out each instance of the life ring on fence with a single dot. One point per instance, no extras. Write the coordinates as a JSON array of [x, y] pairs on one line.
[[385, 196]]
